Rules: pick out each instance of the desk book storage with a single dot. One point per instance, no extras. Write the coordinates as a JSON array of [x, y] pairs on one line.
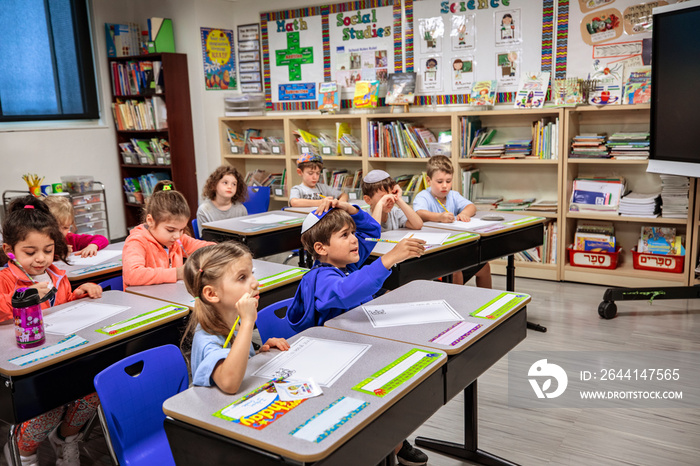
[[511, 178]]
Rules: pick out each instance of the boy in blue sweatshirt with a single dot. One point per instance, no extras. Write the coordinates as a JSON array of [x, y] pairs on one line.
[[335, 236]]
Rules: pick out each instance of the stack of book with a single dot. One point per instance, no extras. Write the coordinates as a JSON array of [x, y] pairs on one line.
[[489, 151], [641, 205], [545, 254], [145, 115], [136, 78], [486, 202], [471, 187], [629, 146], [674, 196], [399, 139], [482, 137], [543, 205], [515, 204], [595, 236], [517, 148], [660, 240], [597, 194], [586, 146], [263, 178]]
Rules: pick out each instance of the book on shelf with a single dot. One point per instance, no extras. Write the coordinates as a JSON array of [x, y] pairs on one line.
[[469, 125], [517, 148], [483, 93], [596, 194], [401, 88], [399, 139], [470, 179], [532, 90], [545, 138], [629, 145], [515, 204], [543, 205], [122, 40], [658, 240], [594, 236], [635, 204], [366, 94], [328, 96], [341, 178], [592, 226], [149, 114], [545, 254], [136, 77]]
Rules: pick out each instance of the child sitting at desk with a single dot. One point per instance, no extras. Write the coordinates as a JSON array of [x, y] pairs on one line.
[[32, 241], [154, 252], [220, 277], [223, 193], [440, 203], [387, 206], [335, 235], [85, 245], [310, 192]]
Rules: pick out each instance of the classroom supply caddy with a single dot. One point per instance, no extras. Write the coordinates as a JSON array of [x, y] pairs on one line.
[[657, 262], [594, 259]]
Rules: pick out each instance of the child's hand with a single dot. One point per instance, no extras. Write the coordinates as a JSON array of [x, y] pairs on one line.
[[462, 217], [279, 343], [92, 290], [89, 251], [447, 217], [387, 202], [43, 288], [247, 308], [327, 203], [406, 249], [396, 191], [70, 249]]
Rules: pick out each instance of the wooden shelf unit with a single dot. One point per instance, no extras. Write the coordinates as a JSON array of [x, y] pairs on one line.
[[693, 252], [510, 178], [176, 94]]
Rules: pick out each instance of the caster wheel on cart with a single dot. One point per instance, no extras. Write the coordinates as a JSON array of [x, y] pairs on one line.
[[607, 310]]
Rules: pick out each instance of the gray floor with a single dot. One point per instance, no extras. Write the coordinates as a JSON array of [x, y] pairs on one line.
[[563, 436]]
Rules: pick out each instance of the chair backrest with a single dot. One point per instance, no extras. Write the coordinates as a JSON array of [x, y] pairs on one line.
[[272, 321], [258, 199], [132, 392], [195, 229], [115, 283]]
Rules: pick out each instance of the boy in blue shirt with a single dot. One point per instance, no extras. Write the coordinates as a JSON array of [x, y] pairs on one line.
[[335, 236], [440, 203]]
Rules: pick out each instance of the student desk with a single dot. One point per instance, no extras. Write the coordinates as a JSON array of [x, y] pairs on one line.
[[277, 282], [77, 274], [262, 239], [438, 261], [29, 390], [196, 437], [307, 210], [469, 356], [513, 234]]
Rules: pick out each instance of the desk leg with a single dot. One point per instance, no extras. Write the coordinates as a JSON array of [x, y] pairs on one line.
[[469, 451], [510, 286], [12, 442]]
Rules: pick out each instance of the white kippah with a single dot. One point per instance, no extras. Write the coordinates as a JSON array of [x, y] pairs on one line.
[[312, 219], [375, 176]]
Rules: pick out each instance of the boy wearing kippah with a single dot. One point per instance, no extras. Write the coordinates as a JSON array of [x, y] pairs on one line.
[[383, 195], [310, 192]]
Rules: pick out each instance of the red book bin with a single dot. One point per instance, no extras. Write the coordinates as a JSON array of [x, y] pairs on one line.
[[594, 259], [657, 262]]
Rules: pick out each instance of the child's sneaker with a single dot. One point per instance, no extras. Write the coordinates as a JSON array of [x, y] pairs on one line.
[[68, 450], [26, 460], [411, 456]]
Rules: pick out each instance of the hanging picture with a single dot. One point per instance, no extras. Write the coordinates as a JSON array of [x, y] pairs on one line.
[[431, 32], [508, 27], [463, 32], [430, 76], [219, 59], [508, 69], [462, 69]]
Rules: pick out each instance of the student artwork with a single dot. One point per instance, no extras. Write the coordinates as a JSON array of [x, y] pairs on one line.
[[566, 92], [637, 85], [507, 26], [430, 76], [401, 89], [219, 59], [328, 97], [588, 5], [532, 90], [463, 33], [431, 31], [366, 94], [462, 74], [608, 87], [637, 18], [508, 68], [484, 93], [601, 26]]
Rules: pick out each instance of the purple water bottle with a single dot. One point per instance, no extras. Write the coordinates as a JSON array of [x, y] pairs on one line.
[[29, 321]]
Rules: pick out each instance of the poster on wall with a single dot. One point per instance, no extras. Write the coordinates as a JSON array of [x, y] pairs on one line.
[[448, 30], [219, 59], [249, 68]]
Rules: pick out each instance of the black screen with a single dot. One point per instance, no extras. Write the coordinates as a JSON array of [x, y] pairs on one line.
[[675, 86]]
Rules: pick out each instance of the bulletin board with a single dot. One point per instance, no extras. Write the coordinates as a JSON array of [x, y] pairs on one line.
[[603, 35], [452, 44], [343, 42]]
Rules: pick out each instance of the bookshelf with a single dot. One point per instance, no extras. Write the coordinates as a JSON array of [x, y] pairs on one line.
[[589, 119], [694, 249], [176, 95], [510, 178]]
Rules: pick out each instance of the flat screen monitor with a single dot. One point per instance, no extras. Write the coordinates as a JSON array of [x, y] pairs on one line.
[[675, 90]]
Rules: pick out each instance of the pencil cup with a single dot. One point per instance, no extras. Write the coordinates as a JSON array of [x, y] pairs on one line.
[[29, 321], [35, 191], [46, 189], [57, 188]]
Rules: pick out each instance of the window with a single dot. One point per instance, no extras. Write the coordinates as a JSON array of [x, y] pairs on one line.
[[46, 65]]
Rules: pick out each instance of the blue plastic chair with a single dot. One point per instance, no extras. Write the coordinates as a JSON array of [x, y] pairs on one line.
[[195, 229], [132, 392], [115, 283], [272, 321], [258, 199]]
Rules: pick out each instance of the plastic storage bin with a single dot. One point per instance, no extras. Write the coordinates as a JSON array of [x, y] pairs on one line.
[[279, 191], [89, 217], [130, 159], [247, 104], [87, 208], [86, 228], [353, 194], [594, 259], [77, 184], [657, 262], [87, 199], [440, 148]]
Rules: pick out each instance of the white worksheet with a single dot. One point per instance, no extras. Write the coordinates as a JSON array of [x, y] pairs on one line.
[[472, 224], [267, 219], [423, 312], [101, 256], [429, 237], [79, 316], [315, 358]]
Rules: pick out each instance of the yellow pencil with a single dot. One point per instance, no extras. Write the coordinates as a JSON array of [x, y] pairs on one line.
[[442, 205], [230, 335]]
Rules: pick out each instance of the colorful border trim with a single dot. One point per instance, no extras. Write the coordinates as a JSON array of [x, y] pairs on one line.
[[562, 38], [500, 311], [337, 425], [398, 38], [425, 361], [547, 31], [80, 343], [141, 323], [459, 237], [524, 220], [409, 36], [271, 280], [458, 339]]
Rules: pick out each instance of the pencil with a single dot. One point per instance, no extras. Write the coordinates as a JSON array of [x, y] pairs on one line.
[[12, 257], [380, 240], [442, 205], [230, 334]]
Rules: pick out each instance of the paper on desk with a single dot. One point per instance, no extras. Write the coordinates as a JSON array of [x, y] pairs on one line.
[[291, 390], [473, 224], [329, 420], [101, 256], [428, 237], [62, 346], [266, 219], [315, 358], [423, 312], [79, 316]]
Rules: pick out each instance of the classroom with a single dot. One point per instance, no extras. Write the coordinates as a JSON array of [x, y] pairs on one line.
[[430, 232]]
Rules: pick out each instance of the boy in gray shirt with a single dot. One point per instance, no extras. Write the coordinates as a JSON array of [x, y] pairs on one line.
[[310, 192]]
